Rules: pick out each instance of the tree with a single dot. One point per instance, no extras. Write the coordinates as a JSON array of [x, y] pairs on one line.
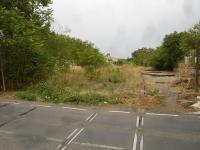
[[66, 50], [191, 41], [24, 24], [169, 53], [142, 56], [191, 38]]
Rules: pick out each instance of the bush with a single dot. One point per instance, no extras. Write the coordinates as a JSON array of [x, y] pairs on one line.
[[116, 76], [142, 56], [169, 54], [95, 98], [67, 50], [58, 94], [51, 93], [26, 95]]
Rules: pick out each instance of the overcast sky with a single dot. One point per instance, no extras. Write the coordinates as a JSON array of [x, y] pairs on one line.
[[121, 26]]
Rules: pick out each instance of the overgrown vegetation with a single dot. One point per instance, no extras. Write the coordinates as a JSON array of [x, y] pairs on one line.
[[26, 95], [79, 85], [142, 56], [29, 51], [173, 49]]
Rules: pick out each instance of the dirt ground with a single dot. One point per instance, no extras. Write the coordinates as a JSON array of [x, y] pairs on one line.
[[163, 81]]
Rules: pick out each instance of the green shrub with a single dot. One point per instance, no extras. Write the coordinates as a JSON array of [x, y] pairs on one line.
[[26, 95], [142, 56], [95, 98], [58, 94], [116, 76], [51, 93]]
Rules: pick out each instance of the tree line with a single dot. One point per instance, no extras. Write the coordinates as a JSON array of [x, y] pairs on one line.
[[30, 51], [174, 47]]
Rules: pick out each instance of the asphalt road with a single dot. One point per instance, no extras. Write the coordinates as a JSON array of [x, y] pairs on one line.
[[28, 126]]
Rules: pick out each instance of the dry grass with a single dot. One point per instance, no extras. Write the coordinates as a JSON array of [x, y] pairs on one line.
[[121, 82]]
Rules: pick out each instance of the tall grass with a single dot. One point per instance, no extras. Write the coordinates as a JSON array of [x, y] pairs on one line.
[[108, 84]]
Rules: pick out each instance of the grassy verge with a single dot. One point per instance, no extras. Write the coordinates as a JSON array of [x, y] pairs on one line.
[[109, 84]]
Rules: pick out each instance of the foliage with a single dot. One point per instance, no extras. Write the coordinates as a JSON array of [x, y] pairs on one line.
[[173, 48], [58, 94], [22, 61], [105, 74], [26, 95], [142, 56], [191, 38], [67, 50], [167, 56], [37, 10], [29, 51], [116, 76]]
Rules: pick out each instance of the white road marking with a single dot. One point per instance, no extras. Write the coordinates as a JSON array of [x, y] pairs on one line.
[[6, 132], [64, 148], [142, 121], [137, 122], [47, 106], [89, 117], [154, 114], [75, 108], [5, 102], [75, 136], [54, 139], [135, 142], [71, 134], [15, 103], [93, 118], [99, 146], [124, 112], [141, 143]]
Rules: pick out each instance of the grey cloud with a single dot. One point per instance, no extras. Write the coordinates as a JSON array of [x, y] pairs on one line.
[[187, 8], [122, 26]]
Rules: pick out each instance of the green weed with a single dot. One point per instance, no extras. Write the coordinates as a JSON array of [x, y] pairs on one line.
[[26, 95]]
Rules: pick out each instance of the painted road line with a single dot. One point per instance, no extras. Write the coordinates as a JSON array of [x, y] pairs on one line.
[[124, 112], [135, 142], [6, 132], [54, 139], [93, 118], [46, 106], [141, 143], [99, 146], [75, 136], [72, 134], [72, 139], [88, 118], [154, 114], [69, 136], [74, 108], [15, 103], [142, 123], [5, 102], [137, 122]]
